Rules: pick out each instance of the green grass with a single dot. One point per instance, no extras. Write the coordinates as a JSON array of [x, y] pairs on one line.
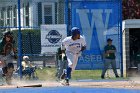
[[49, 74], [86, 74], [46, 73]]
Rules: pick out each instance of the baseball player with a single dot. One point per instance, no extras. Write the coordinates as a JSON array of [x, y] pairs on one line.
[[109, 56], [73, 46]]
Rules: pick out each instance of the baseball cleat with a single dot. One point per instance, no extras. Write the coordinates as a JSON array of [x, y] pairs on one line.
[[65, 82]]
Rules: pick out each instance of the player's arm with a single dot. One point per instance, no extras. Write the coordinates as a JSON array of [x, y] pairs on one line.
[[83, 44], [83, 48], [113, 50]]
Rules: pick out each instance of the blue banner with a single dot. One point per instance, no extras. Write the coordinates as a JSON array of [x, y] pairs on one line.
[[98, 21]]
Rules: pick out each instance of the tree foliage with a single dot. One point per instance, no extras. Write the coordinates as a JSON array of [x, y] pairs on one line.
[[131, 9]]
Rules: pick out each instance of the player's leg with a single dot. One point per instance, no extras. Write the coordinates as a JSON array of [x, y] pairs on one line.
[[67, 74], [75, 60], [113, 64], [106, 65], [69, 60], [71, 67]]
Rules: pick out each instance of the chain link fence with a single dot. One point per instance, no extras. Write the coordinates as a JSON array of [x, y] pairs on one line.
[[33, 13], [27, 32]]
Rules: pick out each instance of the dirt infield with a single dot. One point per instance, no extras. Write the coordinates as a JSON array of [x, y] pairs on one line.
[[125, 84]]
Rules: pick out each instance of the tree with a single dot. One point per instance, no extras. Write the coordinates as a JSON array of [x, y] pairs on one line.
[[131, 9]]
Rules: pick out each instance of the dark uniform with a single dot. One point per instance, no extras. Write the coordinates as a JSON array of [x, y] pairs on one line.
[[109, 58], [61, 63]]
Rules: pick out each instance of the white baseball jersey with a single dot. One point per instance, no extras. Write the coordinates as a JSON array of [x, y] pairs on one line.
[[73, 46], [73, 49]]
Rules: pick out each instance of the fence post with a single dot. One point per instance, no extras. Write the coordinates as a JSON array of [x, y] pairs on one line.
[[121, 44], [19, 40], [66, 14]]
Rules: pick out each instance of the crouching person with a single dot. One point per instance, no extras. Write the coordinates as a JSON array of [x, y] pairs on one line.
[[27, 68]]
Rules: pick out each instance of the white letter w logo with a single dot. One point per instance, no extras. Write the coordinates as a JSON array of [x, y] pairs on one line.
[[97, 21]]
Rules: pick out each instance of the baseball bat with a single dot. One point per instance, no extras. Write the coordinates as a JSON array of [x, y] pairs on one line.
[[36, 85]]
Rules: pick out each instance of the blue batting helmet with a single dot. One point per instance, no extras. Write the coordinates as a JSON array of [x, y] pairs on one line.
[[75, 31]]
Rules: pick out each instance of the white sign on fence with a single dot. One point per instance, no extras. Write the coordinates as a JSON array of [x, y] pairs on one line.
[[51, 37]]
